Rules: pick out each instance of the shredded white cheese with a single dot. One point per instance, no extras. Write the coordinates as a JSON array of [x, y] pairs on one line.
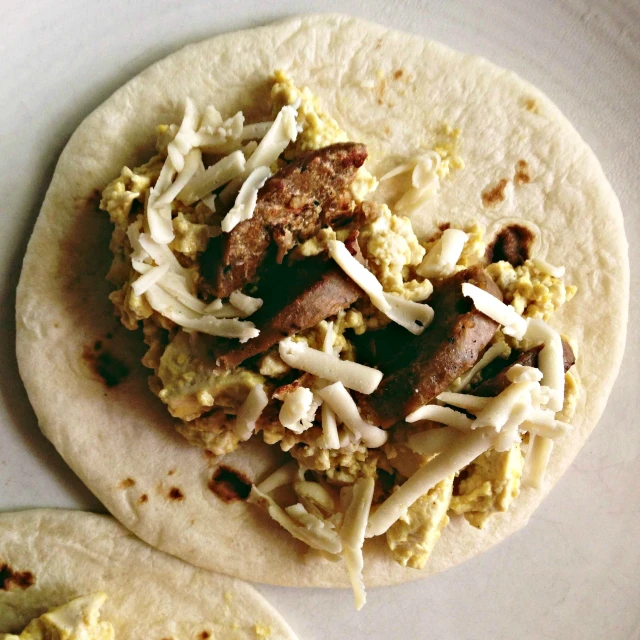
[[358, 377], [537, 460], [411, 315], [152, 276], [184, 139], [246, 305], [497, 412], [433, 441], [247, 199], [192, 162], [338, 398], [171, 308], [250, 410], [330, 438], [212, 178], [298, 410], [318, 534], [443, 415], [498, 350], [455, 457], [280, 477], [352, 535], [545, 267], [513, 324], [550, 359], [470, 403], [443, 257]]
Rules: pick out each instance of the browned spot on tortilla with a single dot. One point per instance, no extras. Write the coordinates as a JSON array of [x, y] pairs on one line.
[[380, 89], [513, 244], [530, 104], [398, 74], [143, 498], [387, 130], [10, 579], [171, 472], [522, 172], [229, 484], [379, 43], [493, 195], [205, 635], [111, 370], [176, 494], [127, 483]]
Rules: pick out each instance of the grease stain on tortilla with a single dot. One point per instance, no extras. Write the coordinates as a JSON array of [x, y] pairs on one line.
[[143, 498], [107, 367], [229, 484], [512, 244], [175, 493], [522, 175], [10, 579], [127, 483], [496, 194]]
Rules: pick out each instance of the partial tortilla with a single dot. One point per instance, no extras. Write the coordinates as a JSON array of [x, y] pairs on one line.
[[392, 91], [52, 556]]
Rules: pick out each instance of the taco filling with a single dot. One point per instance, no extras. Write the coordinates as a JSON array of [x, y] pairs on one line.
[[79, 619], [410, 379]]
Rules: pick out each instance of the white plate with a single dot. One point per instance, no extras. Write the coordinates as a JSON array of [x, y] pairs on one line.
[[574, 571]]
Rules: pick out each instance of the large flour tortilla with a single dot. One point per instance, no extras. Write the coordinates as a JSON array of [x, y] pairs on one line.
[[151, 595], [109, 435]]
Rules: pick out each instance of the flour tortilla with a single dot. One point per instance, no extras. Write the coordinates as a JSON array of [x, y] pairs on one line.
[[151, 594], [109, 435]]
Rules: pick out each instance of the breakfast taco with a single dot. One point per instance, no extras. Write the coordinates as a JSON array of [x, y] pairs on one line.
[[369, 293], [80, 576]]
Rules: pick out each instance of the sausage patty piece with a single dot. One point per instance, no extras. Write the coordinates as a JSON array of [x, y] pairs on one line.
[[296, 298], [293, 205], [429, 363]]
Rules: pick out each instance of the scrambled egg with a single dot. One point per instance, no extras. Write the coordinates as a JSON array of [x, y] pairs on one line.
[[530, 291], [447, 147], [490, 483], [392, 249], [192, 384], [76, 620], [412, 538]]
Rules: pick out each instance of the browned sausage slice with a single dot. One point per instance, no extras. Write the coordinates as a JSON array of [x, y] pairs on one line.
[[293, 205], [432, 361], [296, 298]]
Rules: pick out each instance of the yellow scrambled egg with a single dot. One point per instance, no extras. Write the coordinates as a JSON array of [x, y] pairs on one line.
[[530, 291], [76, 620], [490, 483], [192, 384], [412, 538]]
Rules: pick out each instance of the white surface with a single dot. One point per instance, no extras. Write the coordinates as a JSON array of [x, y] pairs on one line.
[[574, 572]]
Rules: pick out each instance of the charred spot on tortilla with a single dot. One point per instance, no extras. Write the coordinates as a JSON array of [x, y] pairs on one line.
[[522, 175], [205, 635], [512, 244], [11, 579], [495, 194], [286, 213], [111, 370], [127, 483], [229, 484], [176, 494], [143, 498]]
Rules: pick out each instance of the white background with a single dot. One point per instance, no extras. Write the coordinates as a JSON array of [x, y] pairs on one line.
[[574, 572]]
